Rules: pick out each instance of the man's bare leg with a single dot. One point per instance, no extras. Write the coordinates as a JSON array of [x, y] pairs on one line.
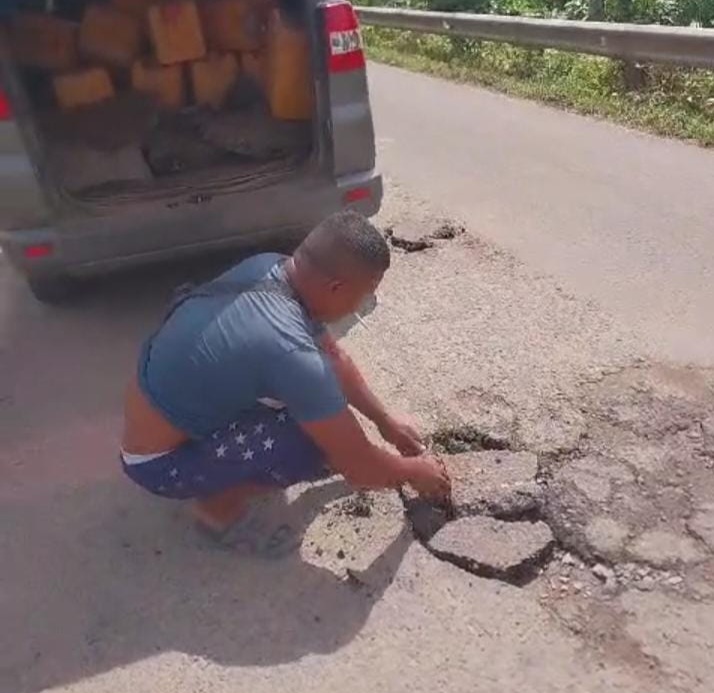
[[221, 511]]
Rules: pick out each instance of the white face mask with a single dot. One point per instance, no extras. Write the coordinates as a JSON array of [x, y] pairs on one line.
[[342, 327]]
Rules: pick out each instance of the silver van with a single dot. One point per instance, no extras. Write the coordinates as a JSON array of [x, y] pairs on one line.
[[53, 234]]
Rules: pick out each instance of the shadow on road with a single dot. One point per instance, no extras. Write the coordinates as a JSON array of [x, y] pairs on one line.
[[103, 576], [95, 573]]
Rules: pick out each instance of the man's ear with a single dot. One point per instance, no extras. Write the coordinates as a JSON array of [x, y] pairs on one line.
[[336, 285]]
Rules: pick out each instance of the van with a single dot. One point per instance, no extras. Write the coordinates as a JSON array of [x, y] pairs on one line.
[[68, 210]]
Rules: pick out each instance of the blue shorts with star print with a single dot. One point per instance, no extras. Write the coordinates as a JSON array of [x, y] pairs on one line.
[[264, 447]]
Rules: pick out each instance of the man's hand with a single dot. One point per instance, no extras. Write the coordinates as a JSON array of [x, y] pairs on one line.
[[402, 436], [429, 479], [349, 452]]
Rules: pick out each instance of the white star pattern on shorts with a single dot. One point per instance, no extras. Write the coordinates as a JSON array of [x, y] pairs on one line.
[[233, 426], [173, 473], [221, 450], [259, 429], [248, 455], [282, 417], [240, 439], [268, 444]]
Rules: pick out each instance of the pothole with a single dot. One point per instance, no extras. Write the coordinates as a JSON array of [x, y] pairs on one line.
[[409, 245], [459, 439], [411, 237], [448, 230], [630, 497], [493, 527]]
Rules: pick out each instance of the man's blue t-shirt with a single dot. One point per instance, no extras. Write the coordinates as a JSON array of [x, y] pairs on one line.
[[216, 356]]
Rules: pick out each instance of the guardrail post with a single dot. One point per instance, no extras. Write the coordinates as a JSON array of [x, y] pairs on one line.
[[596, 10], [634, 75]]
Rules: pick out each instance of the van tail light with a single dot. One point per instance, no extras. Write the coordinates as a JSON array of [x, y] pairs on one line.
[[356, 195], [39, 251], [344, 40], [5, 108]]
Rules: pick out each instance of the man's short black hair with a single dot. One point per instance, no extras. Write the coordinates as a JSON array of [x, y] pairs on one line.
[[347, 239]]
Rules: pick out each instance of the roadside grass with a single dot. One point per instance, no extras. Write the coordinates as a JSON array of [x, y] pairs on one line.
[[673, 102]]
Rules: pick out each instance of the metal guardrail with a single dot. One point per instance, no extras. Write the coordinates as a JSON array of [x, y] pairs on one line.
[[631, 42]]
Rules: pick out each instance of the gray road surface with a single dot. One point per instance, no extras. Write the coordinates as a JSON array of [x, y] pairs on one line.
[[620, 217], [104, 588]]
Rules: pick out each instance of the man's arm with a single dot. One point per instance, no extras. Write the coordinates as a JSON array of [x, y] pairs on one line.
[[354, 386], [308, 384], [349, 452], [361, 397]]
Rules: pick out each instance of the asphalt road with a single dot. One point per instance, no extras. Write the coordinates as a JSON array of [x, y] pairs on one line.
[[104, 588], [619, 217]]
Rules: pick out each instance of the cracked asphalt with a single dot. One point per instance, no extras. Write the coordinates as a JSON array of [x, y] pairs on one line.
[[599, 432]]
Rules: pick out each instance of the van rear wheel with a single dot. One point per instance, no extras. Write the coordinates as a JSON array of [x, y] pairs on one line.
[[52, 289]]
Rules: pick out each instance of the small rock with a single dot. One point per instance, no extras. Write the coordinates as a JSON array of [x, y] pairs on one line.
[[341, 554], [568, 559], [578, 586], [675, 580], [603, 573], [695, 433], [606, 536], [646, 584], [628, 571]]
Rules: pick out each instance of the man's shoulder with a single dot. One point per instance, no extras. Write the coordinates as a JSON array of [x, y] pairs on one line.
[[270, 313]]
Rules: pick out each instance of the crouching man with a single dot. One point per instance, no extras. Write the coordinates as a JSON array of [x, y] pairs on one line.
[[242, 389]]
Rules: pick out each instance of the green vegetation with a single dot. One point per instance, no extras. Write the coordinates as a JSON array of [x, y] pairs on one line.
[[671, 102]]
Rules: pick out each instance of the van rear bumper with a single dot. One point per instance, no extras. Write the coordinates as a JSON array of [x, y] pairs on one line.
[[105, 243]]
